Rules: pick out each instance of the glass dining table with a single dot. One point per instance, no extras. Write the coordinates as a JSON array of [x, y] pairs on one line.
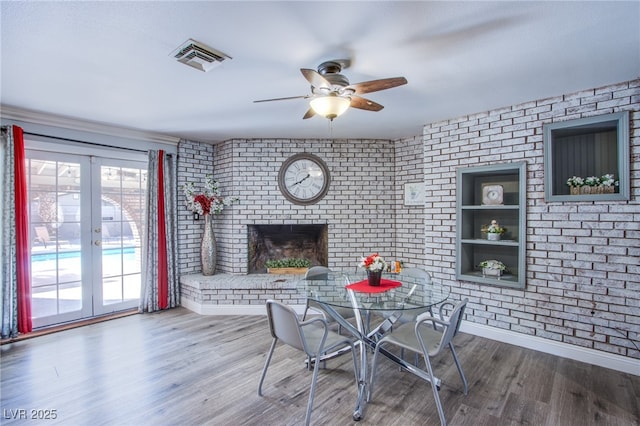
[[375, 311]]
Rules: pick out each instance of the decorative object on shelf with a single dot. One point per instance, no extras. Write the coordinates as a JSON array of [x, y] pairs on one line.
[[492, 268], [287, 266], [494, 231], [592, 185], [492, 195], [206, 203], [395, 267], [374, 265]]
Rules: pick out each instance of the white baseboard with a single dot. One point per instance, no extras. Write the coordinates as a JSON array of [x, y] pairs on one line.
[[564, 350]]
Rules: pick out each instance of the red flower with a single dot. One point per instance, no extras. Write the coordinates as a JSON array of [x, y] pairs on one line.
[[204, 202], [370, 259]]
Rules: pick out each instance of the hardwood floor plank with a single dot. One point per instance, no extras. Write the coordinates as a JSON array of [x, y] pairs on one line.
[[180, 368]]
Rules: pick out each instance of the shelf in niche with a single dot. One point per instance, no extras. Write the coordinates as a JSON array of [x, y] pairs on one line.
[[506, 280], [489, 242], [498, 207]]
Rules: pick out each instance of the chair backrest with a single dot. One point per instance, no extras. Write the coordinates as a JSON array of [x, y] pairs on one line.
[[317, 273], [454, 320], [417, 275], [284, 324]]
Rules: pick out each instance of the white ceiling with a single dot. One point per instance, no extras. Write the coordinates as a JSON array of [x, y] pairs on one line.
[[109, 61]]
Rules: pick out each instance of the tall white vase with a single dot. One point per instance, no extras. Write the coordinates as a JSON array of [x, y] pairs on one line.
[[208, 252]]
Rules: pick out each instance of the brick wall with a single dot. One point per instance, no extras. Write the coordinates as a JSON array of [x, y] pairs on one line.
[[359, 207], [583, 258], [410, 238], [195, 160]]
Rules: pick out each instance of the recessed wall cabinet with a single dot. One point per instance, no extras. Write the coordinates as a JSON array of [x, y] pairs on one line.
[[486, 194], [593, 151]]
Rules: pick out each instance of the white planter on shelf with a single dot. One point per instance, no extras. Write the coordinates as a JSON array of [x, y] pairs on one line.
[[493, 236], [490, 272]]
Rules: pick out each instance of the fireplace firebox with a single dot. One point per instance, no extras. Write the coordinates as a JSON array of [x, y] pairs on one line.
[[267, 242]]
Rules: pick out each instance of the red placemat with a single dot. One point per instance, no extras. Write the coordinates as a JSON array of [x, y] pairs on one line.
[[364, 287]]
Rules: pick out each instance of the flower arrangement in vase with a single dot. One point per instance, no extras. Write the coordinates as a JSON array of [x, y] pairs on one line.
[[209, 201], [205, 203], [374, 264]]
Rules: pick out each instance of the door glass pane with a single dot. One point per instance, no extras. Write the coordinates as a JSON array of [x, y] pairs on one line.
[[70, 297], [54, 215], [122, 204]]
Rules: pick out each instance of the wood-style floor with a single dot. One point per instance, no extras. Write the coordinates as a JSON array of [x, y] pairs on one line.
[[180, 368]]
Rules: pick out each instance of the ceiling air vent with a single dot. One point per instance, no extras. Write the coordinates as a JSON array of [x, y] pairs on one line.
[[198, 55]]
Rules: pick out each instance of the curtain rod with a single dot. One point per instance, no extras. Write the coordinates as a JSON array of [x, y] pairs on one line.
[[85, 142]]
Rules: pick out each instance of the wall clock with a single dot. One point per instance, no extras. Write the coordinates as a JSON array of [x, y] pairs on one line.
[[304, 179], [492, 194]]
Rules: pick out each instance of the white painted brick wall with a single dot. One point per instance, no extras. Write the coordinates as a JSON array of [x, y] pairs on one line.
[[583, 259], [359, 207]]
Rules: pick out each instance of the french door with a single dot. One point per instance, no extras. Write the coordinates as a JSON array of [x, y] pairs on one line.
[[86, 218]]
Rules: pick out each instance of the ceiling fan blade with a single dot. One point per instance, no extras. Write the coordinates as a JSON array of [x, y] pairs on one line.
[[282, 99], [315, 78], [376, 85], [362, 103], [310, 113]]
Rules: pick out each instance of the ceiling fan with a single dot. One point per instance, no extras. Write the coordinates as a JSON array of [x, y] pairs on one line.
[[331, 93]]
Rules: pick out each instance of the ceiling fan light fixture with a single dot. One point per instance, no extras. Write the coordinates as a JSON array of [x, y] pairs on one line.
[[330, 106]]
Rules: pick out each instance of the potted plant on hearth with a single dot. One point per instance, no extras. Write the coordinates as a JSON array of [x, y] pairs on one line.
[[287, 266]]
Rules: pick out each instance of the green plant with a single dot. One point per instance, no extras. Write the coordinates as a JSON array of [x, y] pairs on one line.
[[288, 263], [492, 264]]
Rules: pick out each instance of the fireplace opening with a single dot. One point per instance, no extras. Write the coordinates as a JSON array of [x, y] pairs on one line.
[[286, 241]]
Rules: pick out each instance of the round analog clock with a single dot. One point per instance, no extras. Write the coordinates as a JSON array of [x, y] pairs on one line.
[[303, 179]]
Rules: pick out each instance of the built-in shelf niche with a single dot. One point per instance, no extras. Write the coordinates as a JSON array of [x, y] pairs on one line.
[[473, 213], [593, 146]]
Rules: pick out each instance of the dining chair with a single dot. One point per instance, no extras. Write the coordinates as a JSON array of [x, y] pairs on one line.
[[322, 273], [428, 336], [312, 337], [420, 280]]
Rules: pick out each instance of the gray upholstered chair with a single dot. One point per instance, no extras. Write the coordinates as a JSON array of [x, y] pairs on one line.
[[312, 337], [427, 336]]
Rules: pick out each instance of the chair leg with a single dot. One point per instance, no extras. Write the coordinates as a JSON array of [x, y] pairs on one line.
[[434, 388], [266, 365], [455, 358], [312, 391]]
